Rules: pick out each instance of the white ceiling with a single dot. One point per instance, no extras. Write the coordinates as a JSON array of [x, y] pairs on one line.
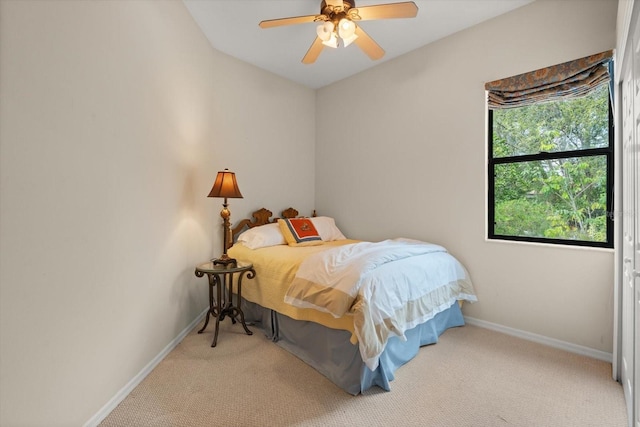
[[232, 27]]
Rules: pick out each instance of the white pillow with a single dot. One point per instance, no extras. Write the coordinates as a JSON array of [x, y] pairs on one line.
[[327, 228], [262, 236]]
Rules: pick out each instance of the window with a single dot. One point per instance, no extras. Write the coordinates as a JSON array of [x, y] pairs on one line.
[[550, 169]]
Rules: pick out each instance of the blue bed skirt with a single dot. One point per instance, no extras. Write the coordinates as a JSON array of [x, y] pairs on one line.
[[331, 353]]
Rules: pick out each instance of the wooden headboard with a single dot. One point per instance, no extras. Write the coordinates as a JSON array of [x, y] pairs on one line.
[[260, 217]]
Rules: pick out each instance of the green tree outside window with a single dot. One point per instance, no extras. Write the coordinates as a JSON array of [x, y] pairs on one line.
[[550, 168]]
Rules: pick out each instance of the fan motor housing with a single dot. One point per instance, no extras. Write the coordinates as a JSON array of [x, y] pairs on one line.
[[327, 10]]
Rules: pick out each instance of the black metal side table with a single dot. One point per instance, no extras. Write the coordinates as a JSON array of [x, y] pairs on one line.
[[222, 305]]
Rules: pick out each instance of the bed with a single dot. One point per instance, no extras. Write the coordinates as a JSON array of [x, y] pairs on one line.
[[355, 311]]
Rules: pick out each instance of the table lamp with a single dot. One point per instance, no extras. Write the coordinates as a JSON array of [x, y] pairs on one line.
[[225, 186]]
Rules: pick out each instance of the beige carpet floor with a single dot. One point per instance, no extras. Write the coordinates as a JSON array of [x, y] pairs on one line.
[[472, 377]]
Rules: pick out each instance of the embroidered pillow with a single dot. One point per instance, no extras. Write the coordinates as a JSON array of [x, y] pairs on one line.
[[299, 232]]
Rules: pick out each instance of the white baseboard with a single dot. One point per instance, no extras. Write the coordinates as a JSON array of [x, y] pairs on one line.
[[541, 339], [128, 388]]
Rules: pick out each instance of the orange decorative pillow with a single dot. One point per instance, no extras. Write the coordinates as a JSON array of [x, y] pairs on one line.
[[299, 232]]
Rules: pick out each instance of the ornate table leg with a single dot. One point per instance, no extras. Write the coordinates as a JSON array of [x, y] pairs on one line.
[[227, 302], [219, 311], [210, 312], [251, 274]]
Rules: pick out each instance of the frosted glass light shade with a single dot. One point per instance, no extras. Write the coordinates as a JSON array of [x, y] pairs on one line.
[[332, 42], [325, 31], [346, 28]]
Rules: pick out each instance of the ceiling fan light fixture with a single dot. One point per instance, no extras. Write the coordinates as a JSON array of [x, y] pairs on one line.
[[325, 31], [332, 41], [346, 28], [348, 40]]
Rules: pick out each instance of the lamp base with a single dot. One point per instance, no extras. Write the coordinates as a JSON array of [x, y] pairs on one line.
[[224, 260]]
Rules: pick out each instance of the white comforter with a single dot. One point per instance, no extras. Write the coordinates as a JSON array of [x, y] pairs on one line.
[[389, 287]]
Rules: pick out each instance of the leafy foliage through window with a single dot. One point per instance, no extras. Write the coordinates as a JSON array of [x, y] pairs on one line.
[[551, 171]]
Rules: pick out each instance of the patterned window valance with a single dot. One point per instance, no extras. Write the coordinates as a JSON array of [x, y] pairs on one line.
[[568, 80]]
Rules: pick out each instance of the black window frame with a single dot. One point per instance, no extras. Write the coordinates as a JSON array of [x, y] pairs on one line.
[[604, 151]]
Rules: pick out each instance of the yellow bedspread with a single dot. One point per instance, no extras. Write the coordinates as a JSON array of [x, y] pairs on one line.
[[276, 267]]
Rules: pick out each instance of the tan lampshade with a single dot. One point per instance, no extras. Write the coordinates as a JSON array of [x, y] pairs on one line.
[[225, 186]]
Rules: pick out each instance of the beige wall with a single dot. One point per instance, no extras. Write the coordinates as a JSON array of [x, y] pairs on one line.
[[405, 156], [114, 118]]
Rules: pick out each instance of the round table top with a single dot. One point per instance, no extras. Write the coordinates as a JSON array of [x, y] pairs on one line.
[[210, 267]]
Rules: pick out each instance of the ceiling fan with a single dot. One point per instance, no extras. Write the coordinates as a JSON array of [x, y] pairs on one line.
[[337, 25]]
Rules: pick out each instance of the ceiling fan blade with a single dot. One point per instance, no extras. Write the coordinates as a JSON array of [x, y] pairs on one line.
[[368, 45], [386, 11], [287, 21], [313, 52]]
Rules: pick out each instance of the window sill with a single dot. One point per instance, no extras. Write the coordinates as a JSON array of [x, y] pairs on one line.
[[550, 245]]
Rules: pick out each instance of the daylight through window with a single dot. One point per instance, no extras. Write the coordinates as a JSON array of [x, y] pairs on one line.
[[551, 170]]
